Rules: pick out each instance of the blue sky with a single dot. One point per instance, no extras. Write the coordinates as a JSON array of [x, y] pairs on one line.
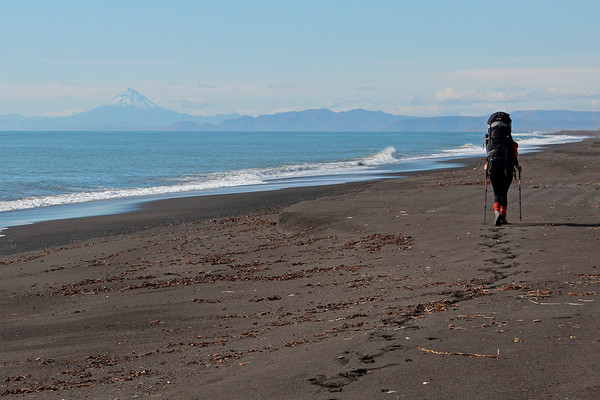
[[422, 58]]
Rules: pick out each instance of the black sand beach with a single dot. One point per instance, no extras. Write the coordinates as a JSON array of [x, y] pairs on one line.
[[383, 290]]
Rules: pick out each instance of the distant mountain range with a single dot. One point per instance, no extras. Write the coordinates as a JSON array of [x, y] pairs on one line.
[[131, 111]]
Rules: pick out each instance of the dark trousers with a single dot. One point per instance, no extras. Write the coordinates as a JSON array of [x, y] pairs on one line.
[[501, 183]]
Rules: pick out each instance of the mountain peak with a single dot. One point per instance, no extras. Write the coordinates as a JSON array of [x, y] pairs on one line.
[[131, 98]]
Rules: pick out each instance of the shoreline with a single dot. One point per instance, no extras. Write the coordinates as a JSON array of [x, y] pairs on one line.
[[117, 205], [181, 209], [185, 209], [389, 289], [158, 213]]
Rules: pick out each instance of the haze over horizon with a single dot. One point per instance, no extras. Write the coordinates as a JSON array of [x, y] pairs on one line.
[[261, 57]]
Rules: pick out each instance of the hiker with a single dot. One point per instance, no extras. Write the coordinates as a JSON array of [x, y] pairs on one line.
[[501, 161]]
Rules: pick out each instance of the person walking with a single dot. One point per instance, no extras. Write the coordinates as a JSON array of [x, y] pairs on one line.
[[501, 161]]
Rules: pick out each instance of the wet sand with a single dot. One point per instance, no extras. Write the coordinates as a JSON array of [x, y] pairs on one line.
[[383, 290]]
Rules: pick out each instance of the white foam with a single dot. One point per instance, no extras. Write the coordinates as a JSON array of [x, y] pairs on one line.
[[371, 164], [203, 182], [383, 157], [535, 141], [527, 142]]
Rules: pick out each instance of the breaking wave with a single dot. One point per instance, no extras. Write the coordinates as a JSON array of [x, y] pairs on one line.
[[212, 181], [373, 165]]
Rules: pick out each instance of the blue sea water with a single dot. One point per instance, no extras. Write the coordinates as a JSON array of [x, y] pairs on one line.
[[55, 175]]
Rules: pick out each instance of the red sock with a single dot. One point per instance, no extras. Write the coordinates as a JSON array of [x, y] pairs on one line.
[[496, 206], [503, 210]]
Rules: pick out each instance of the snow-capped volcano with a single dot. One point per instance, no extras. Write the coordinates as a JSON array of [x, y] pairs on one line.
[[129, 111], [131, 98]]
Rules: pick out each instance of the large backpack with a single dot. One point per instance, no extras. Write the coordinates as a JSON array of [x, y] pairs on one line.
[[499, 144]]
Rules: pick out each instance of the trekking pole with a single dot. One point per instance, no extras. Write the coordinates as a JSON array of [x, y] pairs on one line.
[[485, 197], [520, 214]]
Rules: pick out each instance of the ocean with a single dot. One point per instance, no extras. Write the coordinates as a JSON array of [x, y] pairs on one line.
[[57, 175]]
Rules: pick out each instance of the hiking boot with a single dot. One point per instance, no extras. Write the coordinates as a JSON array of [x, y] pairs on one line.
[[503, 220], [497, 218]]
